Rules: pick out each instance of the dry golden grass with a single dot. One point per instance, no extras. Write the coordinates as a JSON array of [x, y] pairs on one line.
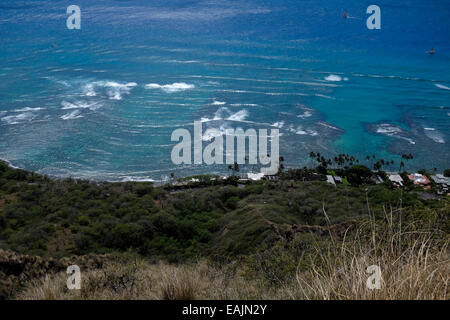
[[414, 265], [145, 281]]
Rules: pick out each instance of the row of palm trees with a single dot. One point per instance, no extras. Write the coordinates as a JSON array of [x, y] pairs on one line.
[[344, 161]]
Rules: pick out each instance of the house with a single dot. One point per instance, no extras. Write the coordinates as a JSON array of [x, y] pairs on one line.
[[330, 180], [440, 179], [255, 176], [271, 178], [420, 180], [376, 179], [337, 179], [442, 182], [395, 178]]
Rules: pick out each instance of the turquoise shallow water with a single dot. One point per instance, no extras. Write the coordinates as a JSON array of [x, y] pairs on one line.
[[102, 102]]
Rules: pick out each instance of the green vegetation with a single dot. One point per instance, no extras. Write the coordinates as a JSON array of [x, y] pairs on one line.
[[49, 217], [447, 172], [413, 262], [270, 227]]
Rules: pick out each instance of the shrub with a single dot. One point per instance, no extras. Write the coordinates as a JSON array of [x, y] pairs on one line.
[[358, 174], [232, 203], [179, 284]]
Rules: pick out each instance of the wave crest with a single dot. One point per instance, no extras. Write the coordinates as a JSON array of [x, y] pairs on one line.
[[171, 88]]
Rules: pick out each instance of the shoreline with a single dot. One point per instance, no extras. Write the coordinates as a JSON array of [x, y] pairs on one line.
[[160, 182]]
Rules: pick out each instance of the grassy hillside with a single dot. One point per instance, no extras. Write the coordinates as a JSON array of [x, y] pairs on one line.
[[272, 228], [414, 264]]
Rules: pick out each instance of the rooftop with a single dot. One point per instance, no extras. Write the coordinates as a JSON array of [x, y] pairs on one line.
[[330, 180], [441, 179], [255, 176], [419, 179]]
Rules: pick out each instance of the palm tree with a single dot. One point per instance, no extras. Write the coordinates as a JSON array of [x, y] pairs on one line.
[[407, 157], [236, 167], [281, 166], [402, 165]]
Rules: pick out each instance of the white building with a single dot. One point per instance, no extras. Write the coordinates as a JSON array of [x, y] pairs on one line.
[[330, 179], [255, 176], [395, 178]]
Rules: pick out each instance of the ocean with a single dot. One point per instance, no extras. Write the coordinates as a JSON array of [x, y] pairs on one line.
[[102, 102]]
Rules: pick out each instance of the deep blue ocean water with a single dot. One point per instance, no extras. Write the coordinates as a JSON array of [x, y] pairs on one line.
[[102, 102]]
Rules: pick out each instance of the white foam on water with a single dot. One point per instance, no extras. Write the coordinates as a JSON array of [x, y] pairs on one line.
[[28, 109], [238, 116], [388, 129], [183, 61], [72, 115], [204, 119], [327, 125], [171, 88], [393, 131], [441, 86], [389, 77], [324, 96], [333, 78], [265, 93], [114, 90], [434, 135], [218, 103], [20, 118], [9, 163], [244, 105], [224, 113], [279, 124], [319, 84], [300, 131], [79, 105], [89, 90], [305, 114]]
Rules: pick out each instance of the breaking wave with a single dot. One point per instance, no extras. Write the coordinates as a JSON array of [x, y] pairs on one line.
[[300, 131], [20, 118], [224, 113], [441, 86], [218, 103], [171, 88], [278, 124], [113, 90], [72, 115], [392, 130], [27, 109], [79, 105], [434, 135], [335, 78], [238, 116]]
